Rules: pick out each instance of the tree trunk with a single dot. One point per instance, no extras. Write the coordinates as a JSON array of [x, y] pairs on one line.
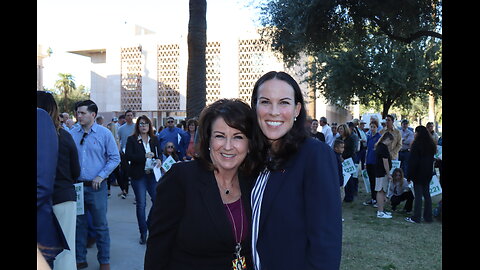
[[196, 73]]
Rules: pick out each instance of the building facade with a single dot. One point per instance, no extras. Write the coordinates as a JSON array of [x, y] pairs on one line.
[[147, 73]]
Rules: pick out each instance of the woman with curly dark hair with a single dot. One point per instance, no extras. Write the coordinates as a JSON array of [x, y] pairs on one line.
[[420, 170], [296, 208]]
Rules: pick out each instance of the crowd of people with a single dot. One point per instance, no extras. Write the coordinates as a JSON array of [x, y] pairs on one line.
[[240, 188]]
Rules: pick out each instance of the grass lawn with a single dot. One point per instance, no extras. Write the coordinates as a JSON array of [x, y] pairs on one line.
[[388, 244]]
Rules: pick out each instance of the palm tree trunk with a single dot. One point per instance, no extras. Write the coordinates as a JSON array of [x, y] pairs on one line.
[[196, 72]]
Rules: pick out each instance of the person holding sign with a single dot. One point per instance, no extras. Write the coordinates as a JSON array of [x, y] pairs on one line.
[[201, 217], [420, 168], [382, 172], [349, 152], [296, 207], [143, 151], [169, 151]]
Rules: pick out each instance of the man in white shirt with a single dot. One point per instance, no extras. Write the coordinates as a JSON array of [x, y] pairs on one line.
[[327, 131]]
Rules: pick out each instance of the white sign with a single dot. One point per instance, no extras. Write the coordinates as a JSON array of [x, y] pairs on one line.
[[395, 164], [167, 164], [346, 177], [438, 155], [80, 205], [157, 172], [366, 181], [435, 187], [348, 166]]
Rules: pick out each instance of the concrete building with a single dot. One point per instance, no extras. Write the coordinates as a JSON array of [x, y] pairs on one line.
[[147, 73]]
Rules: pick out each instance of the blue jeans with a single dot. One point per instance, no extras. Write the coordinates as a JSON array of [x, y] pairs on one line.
[[141, 186], [95, 201]]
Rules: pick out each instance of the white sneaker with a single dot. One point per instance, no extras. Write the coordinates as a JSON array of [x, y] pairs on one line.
[[383, 215]]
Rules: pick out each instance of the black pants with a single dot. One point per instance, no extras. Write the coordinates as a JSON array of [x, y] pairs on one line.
[[420, 191], [123, 175], [350, 189], [371, 177], [406, 196]]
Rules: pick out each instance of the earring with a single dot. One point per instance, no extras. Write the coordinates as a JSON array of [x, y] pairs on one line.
[[295, 119], [208, 148]]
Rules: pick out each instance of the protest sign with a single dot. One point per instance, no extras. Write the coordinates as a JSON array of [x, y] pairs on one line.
[[167, 164], [348, 166], [366, 180], [80, 205], [395, 164]]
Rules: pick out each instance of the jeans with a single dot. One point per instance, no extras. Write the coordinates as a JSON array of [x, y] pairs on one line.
[[96, 203], [141, 186], [421, 190]]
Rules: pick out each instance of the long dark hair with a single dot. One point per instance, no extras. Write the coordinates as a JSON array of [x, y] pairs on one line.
[[145, 118], [238, 115], [292, 140], [423, 142], [46, 101]]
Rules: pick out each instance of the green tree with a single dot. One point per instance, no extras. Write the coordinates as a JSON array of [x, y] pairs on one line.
[[197, 66], [66, 84]]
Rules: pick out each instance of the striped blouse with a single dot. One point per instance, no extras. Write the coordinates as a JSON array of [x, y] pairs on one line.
[[256, 202]]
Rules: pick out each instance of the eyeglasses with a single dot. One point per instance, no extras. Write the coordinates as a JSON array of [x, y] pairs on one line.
[[143, 124], [171, 121], [83, 138], [170, 146]]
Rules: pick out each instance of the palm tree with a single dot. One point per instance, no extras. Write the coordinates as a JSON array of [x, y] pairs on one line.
[[66, 84], [196, 72]]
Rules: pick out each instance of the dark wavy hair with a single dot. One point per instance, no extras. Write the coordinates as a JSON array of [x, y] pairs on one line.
[[145, 118], [423, 142], [292, 140], [238, 115]]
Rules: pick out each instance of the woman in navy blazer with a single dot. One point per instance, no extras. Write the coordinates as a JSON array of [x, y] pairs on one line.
[[296, 207]]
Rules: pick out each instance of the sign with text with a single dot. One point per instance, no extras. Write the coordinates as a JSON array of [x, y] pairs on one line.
[[348, 166], [80, 205], [167, 164]]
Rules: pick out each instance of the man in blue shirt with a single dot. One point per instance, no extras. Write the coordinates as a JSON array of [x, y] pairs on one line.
[[175, 135], [98, 155]]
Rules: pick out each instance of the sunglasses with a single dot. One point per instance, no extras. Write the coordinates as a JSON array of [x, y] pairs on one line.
[[170, 146], [143, 124], [83, 138], [171, 121]]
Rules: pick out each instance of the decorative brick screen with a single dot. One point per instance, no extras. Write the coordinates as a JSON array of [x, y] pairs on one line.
[[168, 76], [131, 78], [212, 55], [250, 66]]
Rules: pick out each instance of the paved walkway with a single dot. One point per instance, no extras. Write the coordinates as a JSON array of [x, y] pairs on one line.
[[125, 251]]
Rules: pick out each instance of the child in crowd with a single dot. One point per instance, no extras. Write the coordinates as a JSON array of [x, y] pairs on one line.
[[382, 172], [399, 191]]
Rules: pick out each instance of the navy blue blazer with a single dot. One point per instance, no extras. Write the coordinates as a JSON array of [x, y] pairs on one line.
[[50, 236], [300, 223]]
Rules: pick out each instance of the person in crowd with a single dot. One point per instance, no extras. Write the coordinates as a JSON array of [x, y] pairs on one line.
[[144, 153], [338, 148], [98, 156], [170, 150], [396, 144], [382, 172], [420, 166], [69, 123], [349, 152], [314, 133], [399, 191], [50, 238], [407, 139], [335, 133], [288, 188], [64, 196], [362, 136], [100, 120], [175, 135], [371, 160], [327, 131], [201, 216], [124, 131], [431, 130], [192, 125]]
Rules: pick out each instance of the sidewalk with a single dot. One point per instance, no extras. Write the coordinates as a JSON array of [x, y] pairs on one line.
[[125, 251]]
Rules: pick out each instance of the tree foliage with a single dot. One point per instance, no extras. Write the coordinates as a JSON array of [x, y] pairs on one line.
[[377, 52]]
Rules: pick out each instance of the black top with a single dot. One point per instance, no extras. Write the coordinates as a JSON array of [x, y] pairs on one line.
[[189, 228], [68, 169], [381, 153], [349, 150], [318, 136], [135, 153], [420, 166]]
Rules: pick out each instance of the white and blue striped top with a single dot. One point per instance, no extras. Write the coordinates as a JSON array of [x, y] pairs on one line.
[[256, 202]]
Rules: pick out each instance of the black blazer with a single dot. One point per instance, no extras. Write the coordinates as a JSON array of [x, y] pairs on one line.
[[135, 153], [300, 223], [189, 228]]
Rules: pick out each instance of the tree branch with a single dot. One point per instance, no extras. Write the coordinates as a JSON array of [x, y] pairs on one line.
[[410, 38]]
